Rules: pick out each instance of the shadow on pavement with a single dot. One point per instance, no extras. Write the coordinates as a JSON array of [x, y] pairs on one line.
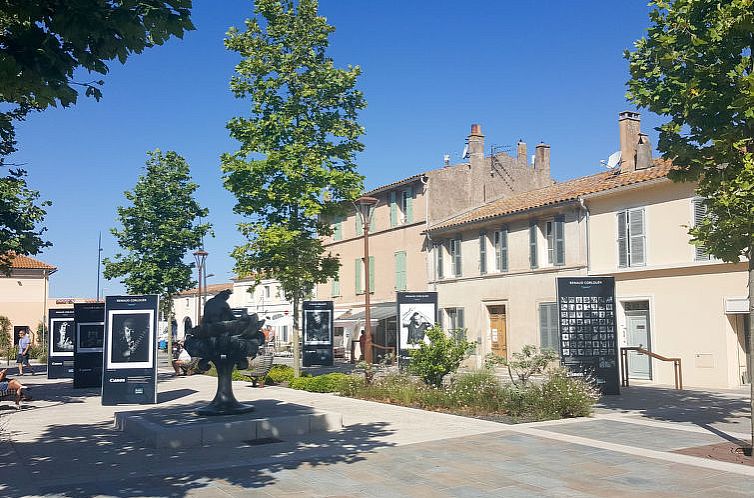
[[164, 397], [87, 460]]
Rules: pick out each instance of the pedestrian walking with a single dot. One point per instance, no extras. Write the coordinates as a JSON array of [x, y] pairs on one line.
[[22, 359]]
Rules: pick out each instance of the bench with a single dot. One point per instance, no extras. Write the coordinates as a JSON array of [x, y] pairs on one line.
[[258, 369], [13, 395]]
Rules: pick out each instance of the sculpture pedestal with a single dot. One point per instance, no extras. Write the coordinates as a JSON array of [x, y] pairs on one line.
[[224, 403]]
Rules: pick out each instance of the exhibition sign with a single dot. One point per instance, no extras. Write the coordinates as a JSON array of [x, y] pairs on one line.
[[87, 346], [587, 326], [417, 311], [318, 333], [60, 343], [130, 350]]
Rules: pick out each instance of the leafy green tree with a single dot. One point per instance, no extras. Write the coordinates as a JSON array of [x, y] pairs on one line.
[[6, 341], [295, 166], [161, 225], [442, 355], [44, 42], [696, 67], [20, 217]]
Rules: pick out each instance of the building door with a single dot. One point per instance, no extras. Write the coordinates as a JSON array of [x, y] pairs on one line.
[[498, 338], [637, 325]]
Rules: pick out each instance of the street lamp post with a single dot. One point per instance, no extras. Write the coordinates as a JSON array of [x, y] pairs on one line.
[[365, 207], [200, 256]]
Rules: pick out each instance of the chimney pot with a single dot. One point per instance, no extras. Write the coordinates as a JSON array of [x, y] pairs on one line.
[[476, 130]]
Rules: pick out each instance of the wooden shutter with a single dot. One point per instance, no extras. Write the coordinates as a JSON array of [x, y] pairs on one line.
[[338, 229], [636, 256], [533, 246], [440, 261], [357, 272], [460, 322], [409, 205], [482, 253], [400, 270], [548, 327], [622, 240], [393, 209], [502, 249], [359, 224], [700, 211], [559, 241], [371, 274], [335, 290], [455, 245]]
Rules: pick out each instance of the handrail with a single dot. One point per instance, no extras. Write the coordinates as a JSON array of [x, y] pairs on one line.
[[624, 364], [378, 346]]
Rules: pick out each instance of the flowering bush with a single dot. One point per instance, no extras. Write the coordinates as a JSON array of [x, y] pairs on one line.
[[327, 383], [558, 396]]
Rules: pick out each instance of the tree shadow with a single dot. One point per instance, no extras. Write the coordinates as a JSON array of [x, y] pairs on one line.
[[87, 460], [702, 408]]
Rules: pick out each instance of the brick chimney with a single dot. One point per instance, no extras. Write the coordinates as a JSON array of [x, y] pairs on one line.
[[476, 144], [542, 163], [643, 152], [629, 126], [521, 151]]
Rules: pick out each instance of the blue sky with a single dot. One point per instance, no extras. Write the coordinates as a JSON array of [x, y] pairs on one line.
[[549, 71]]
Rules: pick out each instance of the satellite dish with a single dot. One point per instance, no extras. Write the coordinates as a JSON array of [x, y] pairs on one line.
[[613, 160], [465, 152]]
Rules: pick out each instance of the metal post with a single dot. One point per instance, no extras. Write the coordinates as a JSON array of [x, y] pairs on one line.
[[367, 290]]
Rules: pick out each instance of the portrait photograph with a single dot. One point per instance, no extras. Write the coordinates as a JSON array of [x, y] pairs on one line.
[[317, 327], [61, 337], [130, 339], [415, 319], [90, 337]]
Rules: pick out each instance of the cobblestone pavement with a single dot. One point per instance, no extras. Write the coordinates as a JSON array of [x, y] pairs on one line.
[[64, 444]]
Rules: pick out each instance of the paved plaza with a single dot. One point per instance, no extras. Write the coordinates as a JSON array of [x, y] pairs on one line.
[[64, 444]]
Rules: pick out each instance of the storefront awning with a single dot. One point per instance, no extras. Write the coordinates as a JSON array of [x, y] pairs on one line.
[[736, 305], [378, 312]]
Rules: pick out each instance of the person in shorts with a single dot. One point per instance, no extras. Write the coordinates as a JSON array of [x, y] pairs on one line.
[[6, 384], [24, 345]]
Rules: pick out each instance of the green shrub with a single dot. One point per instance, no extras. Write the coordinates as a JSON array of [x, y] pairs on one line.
[[279, 374], [443, 355], [478, 392], [327, 383], [522, 365], [559, 396]]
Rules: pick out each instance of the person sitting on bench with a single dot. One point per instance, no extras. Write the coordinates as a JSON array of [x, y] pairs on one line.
[[182, 364], [12, 386]]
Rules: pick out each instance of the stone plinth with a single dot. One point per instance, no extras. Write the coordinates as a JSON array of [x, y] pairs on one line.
[[180, 427]]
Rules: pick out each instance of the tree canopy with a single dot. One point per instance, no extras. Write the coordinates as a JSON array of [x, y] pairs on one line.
[[159, 227], [295, 165], [695, 66]]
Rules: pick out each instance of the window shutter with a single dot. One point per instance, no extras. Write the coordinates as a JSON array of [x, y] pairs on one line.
[[533, 246], [503, 250], [409, 205], [440, 261], [393, 209], [359, 225], [482, 253], [338, 229], [455, 245], [559, 241], [357, 272], [371, 274], [550, 237], [335, 291], [460, 322], [400, 271], [372, 219], [622, 240], [636, 233], [548, 327], [700, 211]]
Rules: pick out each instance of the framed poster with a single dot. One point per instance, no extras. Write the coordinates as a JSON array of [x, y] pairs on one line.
[[90, 337], [60, 342], [417, 311], [90, 332], [131, 337], [588, 331], [61, 336], [318, 333], [317, 326]]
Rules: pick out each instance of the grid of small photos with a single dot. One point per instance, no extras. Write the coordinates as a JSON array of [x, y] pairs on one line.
[[587, 325]]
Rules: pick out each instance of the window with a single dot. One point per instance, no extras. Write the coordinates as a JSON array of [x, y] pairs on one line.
[[439, 261], [393, 209], [549, 337], [337, 233], [359, 275], [631, 238], [501, 250], [455, 324], [266, 291], [407, 205], [555, 235], [482, 253], [533, 260], [455, 257], [400, 270], [335, 288], [700, 212]]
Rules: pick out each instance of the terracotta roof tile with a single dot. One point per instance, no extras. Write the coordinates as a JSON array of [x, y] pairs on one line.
[[211, 289], [26, 262], [556, 194]]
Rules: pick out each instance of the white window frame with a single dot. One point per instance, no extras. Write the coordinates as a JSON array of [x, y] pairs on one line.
[[628, 237]]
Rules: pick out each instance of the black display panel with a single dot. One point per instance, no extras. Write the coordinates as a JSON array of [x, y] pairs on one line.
[[417, 311], [588, 331], [318, 330], [88, 343], [61, 335], [130, 350]]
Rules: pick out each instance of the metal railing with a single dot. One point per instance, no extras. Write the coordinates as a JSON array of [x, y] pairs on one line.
[[640, 350], [389, 349]]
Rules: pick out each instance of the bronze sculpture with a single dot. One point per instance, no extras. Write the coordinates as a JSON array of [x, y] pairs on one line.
[[228, 343]]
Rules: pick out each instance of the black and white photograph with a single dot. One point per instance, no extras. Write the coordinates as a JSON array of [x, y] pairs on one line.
[[61, 339], [130, 339], [415, 319], [317, 327], [90, 337]]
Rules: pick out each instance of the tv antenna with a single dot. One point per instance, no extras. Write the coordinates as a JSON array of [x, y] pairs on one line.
[[612, 161]]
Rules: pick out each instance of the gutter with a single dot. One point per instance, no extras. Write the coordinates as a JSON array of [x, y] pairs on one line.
[[585, 209]]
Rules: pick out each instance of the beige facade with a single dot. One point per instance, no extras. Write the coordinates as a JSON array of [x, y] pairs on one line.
[[23, 294]]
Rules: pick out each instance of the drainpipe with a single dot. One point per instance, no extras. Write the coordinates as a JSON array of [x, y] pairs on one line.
[[585, 209], [429, 263]]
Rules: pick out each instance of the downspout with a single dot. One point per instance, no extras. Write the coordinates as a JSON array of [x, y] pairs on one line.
[[429, 263], [585, 209]]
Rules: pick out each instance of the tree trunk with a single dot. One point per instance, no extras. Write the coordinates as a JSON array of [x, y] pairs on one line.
[[296, 348], [170, 331], [751, 347]]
